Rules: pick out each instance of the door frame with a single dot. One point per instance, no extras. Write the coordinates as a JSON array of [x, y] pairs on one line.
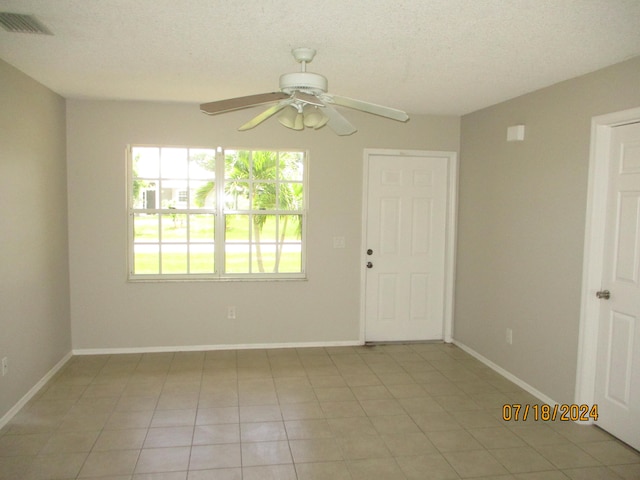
[[593, 260], [451, 158]]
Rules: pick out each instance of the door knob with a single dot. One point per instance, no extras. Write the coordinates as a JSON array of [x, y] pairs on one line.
[[369, 265], [603, 294]]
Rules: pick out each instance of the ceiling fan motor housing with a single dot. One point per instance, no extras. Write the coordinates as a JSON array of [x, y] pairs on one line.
[[307, 82]]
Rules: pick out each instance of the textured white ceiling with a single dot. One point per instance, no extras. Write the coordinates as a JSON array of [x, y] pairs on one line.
[[423, 56]]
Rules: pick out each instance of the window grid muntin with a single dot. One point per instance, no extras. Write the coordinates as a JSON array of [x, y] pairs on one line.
[[161, 183], [252, 179], [277, 243], [219, 213]]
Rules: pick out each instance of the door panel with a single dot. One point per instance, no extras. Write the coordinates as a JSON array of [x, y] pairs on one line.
[[618, 357], [626, 251], [389, 225], [406, 227], [421, 225]]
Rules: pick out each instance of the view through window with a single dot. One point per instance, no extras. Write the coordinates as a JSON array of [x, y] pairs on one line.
[[215, 213]]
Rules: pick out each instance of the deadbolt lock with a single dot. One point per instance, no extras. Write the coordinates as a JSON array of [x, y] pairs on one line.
[[603, 294]]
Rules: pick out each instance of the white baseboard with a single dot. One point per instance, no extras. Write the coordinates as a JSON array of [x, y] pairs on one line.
[[198, 348], [509, 376], [6, 418], [193, 348]]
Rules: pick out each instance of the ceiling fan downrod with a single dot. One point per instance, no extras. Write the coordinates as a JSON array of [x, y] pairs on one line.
[[303, 56]]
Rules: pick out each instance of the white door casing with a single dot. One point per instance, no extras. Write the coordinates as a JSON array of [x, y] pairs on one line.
[[409, 225], [597, 273], [617, 391]]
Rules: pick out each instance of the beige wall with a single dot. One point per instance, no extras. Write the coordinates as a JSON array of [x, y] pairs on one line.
[[35, 331], [522, 224], [520, 235], [109, 312]]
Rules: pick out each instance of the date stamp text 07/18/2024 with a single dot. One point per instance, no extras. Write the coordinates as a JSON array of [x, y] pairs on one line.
[[515, 412]]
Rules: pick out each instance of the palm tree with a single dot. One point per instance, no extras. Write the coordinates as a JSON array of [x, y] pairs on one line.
[[261, 168], [207, 162], [264, 192], [291, 195]]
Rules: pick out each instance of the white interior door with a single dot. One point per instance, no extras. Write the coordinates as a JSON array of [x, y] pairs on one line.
[[406, 208], [618, 357]]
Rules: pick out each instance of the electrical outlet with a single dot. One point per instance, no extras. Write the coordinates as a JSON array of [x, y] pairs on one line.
[[5, 366], [509, 336], [231, 312]]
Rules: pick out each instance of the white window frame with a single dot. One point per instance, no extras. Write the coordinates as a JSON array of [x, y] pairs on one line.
[[219, 213]]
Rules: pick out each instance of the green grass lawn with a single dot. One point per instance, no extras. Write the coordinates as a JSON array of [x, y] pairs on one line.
[[202, 228], [176, 263], [201, 258]]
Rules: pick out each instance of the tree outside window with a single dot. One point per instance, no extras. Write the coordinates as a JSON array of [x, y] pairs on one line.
[[186, 223]]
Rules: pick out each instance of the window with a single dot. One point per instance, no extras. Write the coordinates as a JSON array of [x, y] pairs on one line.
[[213, 213]]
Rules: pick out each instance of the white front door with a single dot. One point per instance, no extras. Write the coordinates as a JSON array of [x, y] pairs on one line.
[[618, 357], [406, 235]]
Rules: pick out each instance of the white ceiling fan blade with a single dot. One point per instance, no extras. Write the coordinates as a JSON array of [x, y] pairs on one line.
[[223, 106], [258, 119], [337, 122], [367, 107]]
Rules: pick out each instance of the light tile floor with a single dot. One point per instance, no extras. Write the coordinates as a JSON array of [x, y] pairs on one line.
[[419, 411]]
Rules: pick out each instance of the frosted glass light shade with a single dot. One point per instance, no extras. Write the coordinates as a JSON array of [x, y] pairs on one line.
[[291, 118], [314, 118]]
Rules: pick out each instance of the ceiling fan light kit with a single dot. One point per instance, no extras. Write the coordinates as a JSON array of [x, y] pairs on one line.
[[291, 118], [303, 102], [314, 118]]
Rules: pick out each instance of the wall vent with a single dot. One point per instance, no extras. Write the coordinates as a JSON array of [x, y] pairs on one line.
[[19, 23]]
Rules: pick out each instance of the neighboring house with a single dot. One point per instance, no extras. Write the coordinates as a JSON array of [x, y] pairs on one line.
[[170, 197]]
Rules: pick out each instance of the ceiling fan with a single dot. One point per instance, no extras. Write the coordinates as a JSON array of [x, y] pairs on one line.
[[302, 101]]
